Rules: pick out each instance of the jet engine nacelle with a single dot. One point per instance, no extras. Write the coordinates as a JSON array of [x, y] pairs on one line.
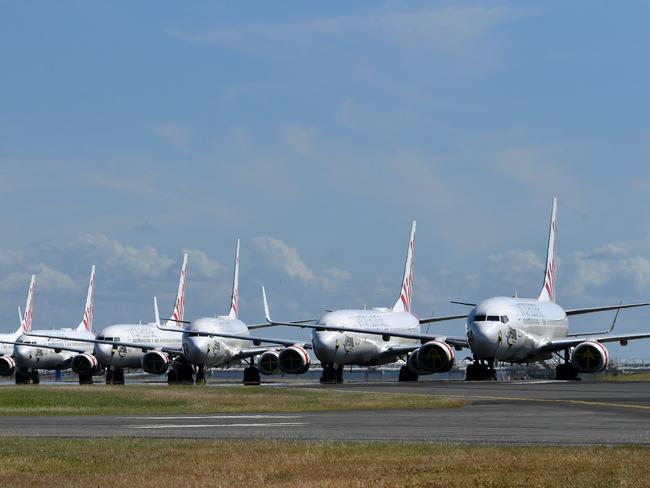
[[293, 360], [85, 364], [269, 363], [155, 362], [7, 365], [433, 357], [589, 357]]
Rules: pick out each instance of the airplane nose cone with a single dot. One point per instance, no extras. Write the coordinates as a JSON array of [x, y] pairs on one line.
[[195, 349], [325, 345], [103, 353], [483, 339], [22, 354]]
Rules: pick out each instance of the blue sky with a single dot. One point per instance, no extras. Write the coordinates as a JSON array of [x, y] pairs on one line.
[[316, 131]]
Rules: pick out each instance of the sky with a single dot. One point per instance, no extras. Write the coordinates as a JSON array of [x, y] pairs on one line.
[[131, 132]]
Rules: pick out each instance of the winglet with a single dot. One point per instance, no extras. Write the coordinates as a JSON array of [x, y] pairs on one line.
[[548, 289], [403, 303], [87, 319], [234, 301], [26, 321], [267, 315], [155, 311], [179, 306]]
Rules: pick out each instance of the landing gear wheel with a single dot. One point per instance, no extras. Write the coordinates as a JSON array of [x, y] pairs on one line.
[[85, 379], [331, 375], [565, 371], [405, 374], [172, 377], [118, 376], [478, 371], [200, 375], [110, 374], [184, 372], [251, 376], [34, 377], [22, 376]]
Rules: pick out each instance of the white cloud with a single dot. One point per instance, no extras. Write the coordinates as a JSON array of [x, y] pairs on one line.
[[284, 258], [299, 138], [203, 266], [175, 134], [145, 261]]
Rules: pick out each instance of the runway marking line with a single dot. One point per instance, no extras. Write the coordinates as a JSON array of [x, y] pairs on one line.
[[517, 399], [200, 417], [200, 426]]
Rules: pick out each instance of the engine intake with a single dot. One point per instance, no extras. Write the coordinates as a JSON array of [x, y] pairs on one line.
[[269, 363], [155, 362], [85, 364], [589, 357], [293, 360], [7, 365], [434, 357]]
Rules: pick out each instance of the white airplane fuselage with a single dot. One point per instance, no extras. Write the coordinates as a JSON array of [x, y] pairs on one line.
[[213, 351], [8, 349], [131, 357], [342, 348], [514, 329], [32, 356]]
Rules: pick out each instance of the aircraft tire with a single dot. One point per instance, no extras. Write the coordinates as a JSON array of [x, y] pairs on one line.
[[85, 379], [34, 377], [118, 376], [110, 374], [566, 372], [22, 376], [251, 376], [172, 376], [331, 375], [200, 375], [405, 374]]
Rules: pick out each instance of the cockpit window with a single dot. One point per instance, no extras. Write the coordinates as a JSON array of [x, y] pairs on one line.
[[504, 319], [489, 318], [194, 334]]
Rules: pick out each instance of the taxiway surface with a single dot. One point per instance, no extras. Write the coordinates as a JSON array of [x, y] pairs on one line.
[[503, 413]]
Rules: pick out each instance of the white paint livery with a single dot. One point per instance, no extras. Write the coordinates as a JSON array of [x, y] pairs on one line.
[[7, 361]]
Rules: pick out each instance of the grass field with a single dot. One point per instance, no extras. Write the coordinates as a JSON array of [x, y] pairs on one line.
[[624, 377], [157, 463], [107, 400]]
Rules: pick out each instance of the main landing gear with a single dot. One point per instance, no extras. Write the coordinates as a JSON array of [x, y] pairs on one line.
[[481, 370], [407, 374], [565, 371], [115, 376], [85, 379], [332, 374], [25, 376], [251, 374], [181, 372]]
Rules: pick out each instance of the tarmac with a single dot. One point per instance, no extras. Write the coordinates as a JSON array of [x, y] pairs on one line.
[[546, 412]]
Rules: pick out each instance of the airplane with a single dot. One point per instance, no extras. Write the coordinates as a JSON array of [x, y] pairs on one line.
[[526, 330], [212, 342], [32, 353], [7, 361], [144, 346], [377, 336]]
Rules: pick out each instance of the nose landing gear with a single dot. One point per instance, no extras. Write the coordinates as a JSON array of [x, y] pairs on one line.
[[331, 374], [481, 370]]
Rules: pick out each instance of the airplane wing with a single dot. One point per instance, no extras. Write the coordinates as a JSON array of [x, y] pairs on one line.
[[134, 345], [247, 353], [399, 350], [255, 340], [442, 319], [47, 346], [266, 324], [581, 311], [560, 344]]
